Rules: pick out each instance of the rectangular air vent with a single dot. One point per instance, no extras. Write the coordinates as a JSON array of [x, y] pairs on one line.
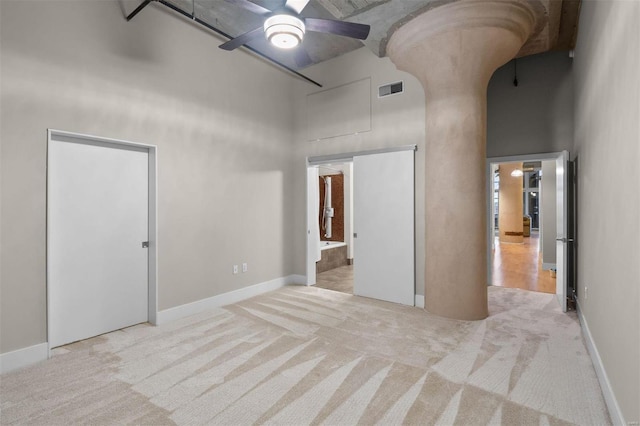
[[390, 89]]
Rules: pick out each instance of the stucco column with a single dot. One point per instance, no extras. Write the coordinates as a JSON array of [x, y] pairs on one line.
[[510, 205], [453, 50]]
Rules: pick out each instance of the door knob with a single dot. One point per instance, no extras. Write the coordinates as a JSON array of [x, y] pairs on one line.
[[565, 240]]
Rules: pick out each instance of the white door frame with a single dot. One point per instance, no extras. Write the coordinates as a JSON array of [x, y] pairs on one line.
[[63, 136], [346, 157], [509, 159]]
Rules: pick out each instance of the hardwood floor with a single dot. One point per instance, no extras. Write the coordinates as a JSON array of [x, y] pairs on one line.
[[514, 266], [520, 266]]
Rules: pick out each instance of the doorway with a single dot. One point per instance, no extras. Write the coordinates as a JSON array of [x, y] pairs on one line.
[[101, 236], [519, 234], [376, 255], [527, 232], [334, 266]]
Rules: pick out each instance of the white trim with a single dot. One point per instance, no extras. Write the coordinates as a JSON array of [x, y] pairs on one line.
[[23, 357], [310, 258], [79, 137], [60, 135], [490, 220], [607, 391], [192, 308], [346, 157], [525, 157], [152, 309], [548, 266], [419, 301], [296, 279]]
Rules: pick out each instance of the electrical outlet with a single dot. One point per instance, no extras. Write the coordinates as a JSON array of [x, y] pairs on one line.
[[245, 267], [235, 269]]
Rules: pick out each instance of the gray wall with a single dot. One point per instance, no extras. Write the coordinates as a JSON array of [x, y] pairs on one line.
[[395, 121], [535, 117], [230, 190], [548, 213], [607, 146], [222, 123]]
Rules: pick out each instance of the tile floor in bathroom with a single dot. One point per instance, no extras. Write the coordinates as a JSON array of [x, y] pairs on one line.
[[338, 279]]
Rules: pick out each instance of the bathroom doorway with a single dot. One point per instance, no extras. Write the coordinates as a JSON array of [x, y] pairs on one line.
[[360, 236], [334, 269]]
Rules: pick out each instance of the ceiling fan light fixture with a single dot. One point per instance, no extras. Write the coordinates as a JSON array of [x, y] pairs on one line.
[[284, 31]]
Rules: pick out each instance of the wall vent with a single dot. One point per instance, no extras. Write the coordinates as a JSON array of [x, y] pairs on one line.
[[390, 89]]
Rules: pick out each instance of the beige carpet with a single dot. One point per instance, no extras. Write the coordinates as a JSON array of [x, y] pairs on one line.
[[312, 356]]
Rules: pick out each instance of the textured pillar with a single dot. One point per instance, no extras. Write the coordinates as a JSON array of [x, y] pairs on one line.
[[453, 50], [510, 204]]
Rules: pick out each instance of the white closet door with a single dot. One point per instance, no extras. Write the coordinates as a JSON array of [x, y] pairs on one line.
[[97, 220], [383, 209]]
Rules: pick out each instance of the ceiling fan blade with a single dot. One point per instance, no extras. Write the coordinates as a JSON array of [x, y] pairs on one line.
[[347, 29], [245, 38], [296, 5], [301, 57], [251, 7]]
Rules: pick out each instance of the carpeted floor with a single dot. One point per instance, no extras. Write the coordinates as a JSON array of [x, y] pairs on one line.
[[304, 355]]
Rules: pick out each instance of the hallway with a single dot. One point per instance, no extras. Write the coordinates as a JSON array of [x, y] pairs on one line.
[[520, 266]]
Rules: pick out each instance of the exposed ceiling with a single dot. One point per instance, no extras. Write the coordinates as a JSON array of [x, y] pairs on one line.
[[556, 24]]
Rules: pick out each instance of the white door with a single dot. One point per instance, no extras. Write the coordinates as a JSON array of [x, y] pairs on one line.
[[563, 237], [97, 269], [383, 215]]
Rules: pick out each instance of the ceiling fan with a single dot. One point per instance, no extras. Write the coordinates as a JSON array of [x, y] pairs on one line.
[[285, 28]]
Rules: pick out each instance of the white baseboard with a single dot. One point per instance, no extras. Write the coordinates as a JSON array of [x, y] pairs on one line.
[[23, 357], [609, 397], [419, 301], [297, 279], [188, 309], [548, 266]]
